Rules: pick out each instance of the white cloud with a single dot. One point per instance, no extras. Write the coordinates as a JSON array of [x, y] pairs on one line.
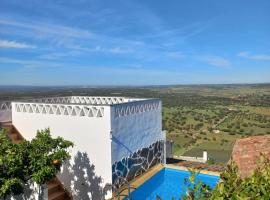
[[119, 50], [68, 37], [28, 63], [41, 29], [217, 61], [14, 44], [176, 55], [263, 57], [114, 50]]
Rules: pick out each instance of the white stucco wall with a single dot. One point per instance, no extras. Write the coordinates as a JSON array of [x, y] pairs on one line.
[[106, 133], [89, 134], [135, 125]]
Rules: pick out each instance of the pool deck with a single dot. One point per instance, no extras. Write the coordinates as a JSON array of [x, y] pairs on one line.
[[138, 181]]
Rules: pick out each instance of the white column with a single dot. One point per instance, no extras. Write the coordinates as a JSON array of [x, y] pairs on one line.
[[205, 156], [164, 147]]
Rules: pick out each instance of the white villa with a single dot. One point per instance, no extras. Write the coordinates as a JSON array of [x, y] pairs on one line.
[[115, 138]]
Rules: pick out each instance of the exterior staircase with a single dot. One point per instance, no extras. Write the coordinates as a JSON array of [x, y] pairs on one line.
[[56, 190]]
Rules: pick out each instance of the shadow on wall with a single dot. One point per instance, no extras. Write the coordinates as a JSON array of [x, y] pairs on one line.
[[80, 178], [31, 192]]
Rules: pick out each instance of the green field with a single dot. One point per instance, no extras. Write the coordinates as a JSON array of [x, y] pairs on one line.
[[215, 117], [196, 117]]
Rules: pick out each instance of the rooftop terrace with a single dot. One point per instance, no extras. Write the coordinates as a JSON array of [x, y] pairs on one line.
[[89, 106]]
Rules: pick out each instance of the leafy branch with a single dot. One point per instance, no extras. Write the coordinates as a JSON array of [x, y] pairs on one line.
[[38, 160]]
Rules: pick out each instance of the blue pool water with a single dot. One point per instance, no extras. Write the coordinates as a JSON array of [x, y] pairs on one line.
[[169, 183]]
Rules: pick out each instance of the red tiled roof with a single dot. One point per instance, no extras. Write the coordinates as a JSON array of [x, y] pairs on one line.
[[247, 151]]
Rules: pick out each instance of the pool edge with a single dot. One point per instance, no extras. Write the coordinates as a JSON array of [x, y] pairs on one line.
[[140, 180]]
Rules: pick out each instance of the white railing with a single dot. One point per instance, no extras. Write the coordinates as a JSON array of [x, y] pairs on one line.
[[82, 106], [54, 100], [59, 109], [91, 100], [190, 158], [98, 100], [137, 107], [5, 105], [194, 159]]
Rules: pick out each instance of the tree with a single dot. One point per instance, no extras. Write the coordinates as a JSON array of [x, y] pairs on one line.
[[38, 160]]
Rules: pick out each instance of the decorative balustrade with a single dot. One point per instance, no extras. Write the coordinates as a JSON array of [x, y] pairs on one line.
[[98, 100], [83, 100], [137, 107], [5, 105], [53, 100], [60, 109], [82, 106]]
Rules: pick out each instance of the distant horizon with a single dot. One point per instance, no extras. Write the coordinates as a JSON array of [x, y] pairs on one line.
[[125, 86]]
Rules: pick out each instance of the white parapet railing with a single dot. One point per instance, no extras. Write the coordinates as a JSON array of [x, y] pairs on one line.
[[5, 111], [5, 105], [91, 100], [98, 100], [189, 158], [82, 106], [59, 109], [194, 159], [136, 107], [54, 100]]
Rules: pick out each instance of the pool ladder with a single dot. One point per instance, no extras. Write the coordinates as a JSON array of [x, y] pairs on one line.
[[118, 189]]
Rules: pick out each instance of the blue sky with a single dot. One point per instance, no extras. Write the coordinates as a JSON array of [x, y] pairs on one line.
[[140, 42]]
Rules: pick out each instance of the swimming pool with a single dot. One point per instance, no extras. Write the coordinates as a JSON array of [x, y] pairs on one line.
[[168, 183]]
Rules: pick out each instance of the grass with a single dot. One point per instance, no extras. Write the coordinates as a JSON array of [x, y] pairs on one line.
[[239, 121], [180, 142], [217, 150], [219, 156]]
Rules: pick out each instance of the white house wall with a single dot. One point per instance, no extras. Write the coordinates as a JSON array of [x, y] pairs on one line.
[[135, 125], [137, 139], [90, 132]]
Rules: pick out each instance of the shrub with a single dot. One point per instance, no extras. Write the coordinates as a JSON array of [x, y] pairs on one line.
[[211, 161], [255, 187], [232, 186], [38, 160], [195, 190]]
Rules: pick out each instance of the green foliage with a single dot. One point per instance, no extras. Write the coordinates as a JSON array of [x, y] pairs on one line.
[[38, 160], [196, 190], [229, 184], [12, 168], [43, 151], [232, 187], [11, 186], [254, 187], [211, 161]]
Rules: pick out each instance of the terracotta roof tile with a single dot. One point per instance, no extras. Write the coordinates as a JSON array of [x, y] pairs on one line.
[[246, 152]]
